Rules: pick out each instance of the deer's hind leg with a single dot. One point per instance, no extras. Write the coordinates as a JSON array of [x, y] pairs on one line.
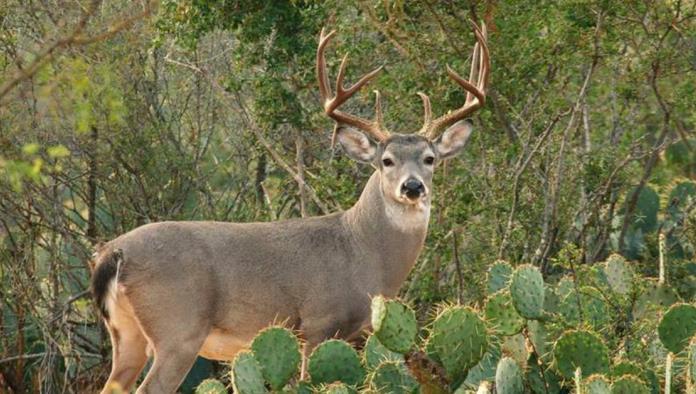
[[174, 356], [129, 349]]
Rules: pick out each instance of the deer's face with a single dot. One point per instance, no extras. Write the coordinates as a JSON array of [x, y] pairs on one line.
[[405, 161]]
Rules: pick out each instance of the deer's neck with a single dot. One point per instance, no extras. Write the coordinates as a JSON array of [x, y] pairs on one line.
[[389, 234]]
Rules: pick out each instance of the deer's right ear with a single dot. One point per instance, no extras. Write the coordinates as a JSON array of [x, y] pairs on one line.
[[356, 144]]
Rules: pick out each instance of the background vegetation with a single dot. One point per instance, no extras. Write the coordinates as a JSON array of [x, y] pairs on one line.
[[118, 113]]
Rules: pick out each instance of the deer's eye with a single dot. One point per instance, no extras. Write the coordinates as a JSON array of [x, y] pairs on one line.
[[429, 160], [387, 162]]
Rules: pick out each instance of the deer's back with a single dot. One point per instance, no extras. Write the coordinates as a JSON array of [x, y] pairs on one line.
[[254, 270]]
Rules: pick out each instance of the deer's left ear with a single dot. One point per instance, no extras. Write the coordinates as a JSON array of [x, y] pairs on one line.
[[451, 142]]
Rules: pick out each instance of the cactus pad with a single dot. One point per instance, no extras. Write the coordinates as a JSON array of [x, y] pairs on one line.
[[247, 377], [597, 384], [336, 388], [627, 368], [459, 340], [551, 299], [498, 276], [619, 274], [677, 326], [594, 309], [394, 324], [654, 297], [582, 349], [335, 360], [278, 353], [211, 386], [392, 377], [565, 286], [527, 290], [515, 347], [537, 335], [375, 353], [502, 314], [629, 384], [508, 377], [538, 382]]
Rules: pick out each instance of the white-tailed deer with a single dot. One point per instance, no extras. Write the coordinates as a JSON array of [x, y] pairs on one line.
[[175, 290]]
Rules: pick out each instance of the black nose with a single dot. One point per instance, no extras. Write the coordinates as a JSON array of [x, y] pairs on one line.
[[412, 188]]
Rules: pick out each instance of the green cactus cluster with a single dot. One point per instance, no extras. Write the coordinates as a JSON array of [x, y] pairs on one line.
[[677, 327], [394, 324], [278, 353], [598, 329], [629, 384], [502, 315], [335, 360], [508, 377], [211, 386], [458, 339], [528, 291], [498, 276], [247, 377], [580, 349], [392, 377]]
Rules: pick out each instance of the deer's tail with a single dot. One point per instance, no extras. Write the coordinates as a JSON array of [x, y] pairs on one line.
[[104, 277]]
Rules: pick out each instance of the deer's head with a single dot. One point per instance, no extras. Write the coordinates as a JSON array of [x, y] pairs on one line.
[[405, 161]]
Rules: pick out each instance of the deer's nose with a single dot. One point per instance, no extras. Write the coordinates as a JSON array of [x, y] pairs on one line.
[[412, 188]]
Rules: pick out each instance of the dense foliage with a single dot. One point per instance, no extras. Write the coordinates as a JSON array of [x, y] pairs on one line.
[[115, 114]]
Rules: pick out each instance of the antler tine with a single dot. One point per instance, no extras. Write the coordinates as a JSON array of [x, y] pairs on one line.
[[331, 102], [476, 91], [427, 112], [378, 107], [322, 76]]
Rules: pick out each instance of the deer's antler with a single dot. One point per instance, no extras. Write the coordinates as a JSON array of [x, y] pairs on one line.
[[476, 91], [331, 102]]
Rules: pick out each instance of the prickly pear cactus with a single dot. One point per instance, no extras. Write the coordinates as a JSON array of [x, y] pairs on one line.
[[459, 340], [211, 386], [627, 368], [541, 382], [502, 315], [508, 377], [247, 377], [498, 276], [278, 353], [392, 377], [596, 384], [654, 297], [527, 290], [565, 286], [619, 274], [629, 384], [375, 353], [515, 347], [589, 304], [551, 300], [335, 360], [394, 324], [677, 326], [582, 349], [336, 388], [538, 336]]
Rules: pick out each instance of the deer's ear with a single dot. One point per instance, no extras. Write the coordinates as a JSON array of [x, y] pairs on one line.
[[356, 144], [451, 142]]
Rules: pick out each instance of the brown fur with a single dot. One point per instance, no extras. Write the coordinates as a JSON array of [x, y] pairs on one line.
[[189, 288]]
